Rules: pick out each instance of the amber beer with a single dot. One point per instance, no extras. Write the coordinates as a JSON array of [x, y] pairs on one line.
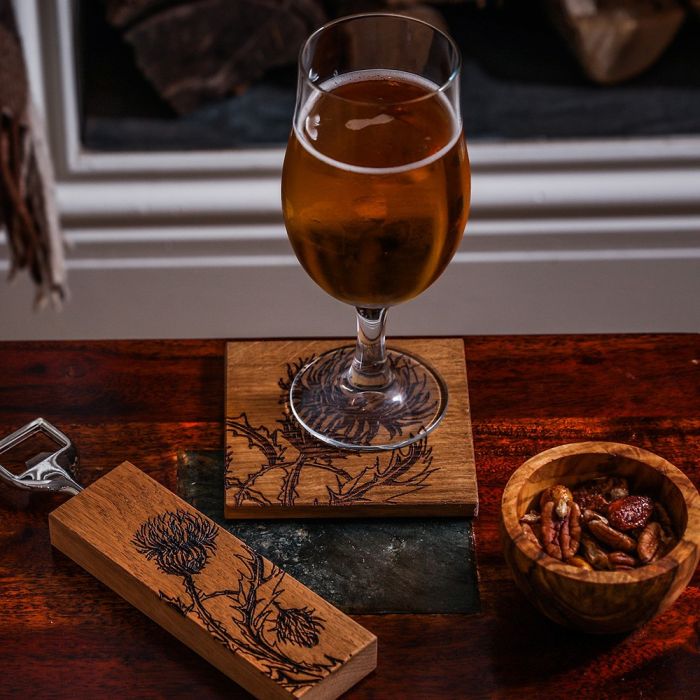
[[375, 187]]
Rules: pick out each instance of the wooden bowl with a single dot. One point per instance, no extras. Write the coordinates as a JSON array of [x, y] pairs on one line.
[[601, 601]]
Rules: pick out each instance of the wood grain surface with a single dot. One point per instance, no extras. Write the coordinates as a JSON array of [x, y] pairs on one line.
[[237, 610], [65, 635], [277, 470]]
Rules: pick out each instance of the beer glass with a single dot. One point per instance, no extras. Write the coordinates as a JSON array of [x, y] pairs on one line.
[[375, 195]]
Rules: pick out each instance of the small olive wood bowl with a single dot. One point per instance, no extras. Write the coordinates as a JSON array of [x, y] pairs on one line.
[[601, 601]]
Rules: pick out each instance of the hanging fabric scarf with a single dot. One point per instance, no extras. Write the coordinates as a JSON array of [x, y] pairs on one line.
[[28, 211]]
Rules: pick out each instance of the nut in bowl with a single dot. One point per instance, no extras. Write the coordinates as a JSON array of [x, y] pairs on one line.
[[607, 601]]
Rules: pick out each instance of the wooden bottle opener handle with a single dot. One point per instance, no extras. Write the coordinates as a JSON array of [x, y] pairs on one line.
[[239, 611]]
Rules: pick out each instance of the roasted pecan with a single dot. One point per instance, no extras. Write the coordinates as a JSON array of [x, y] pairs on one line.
[[586, 491], [650, 542], [620, 531], [630, 513], [618, 488], [622, 559], [610, 487], [591, 501], [589, 515], [551, 527], [560, 496], [611, 537], [561, 536], [596, 494], [593, 486], [593, 553], [574, 532]]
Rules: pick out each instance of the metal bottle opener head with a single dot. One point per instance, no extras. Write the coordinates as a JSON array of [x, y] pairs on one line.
[[52, 472]]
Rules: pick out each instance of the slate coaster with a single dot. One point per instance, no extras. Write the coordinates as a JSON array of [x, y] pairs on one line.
[[379, 565], [275, 469]]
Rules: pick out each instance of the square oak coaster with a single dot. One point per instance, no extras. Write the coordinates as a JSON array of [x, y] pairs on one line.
[[224, 600], [274, 469]]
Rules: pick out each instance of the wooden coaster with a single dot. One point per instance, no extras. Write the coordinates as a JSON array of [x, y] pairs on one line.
[[274, 469], [239, 611]]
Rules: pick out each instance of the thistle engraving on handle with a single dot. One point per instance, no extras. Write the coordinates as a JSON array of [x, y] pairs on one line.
[[260, 627]]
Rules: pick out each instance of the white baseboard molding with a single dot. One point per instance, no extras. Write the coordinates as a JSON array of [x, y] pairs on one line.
[[474, 296], [607, 274]]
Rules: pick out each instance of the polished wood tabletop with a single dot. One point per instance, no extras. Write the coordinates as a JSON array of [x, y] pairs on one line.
[[64, 634]]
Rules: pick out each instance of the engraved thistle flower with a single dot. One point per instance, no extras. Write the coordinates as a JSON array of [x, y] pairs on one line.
[[298, 626], [293, 452], [182, 544], [179, 542]]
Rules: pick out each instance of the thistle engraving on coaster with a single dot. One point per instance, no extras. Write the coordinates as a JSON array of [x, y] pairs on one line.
[[359, 423], [259, 627], [292, 452]]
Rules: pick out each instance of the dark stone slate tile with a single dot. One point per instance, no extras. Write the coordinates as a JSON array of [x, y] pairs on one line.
[[424, 565]]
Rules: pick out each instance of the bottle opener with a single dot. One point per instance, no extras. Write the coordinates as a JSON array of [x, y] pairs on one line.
[[239, 611], [47, 472]]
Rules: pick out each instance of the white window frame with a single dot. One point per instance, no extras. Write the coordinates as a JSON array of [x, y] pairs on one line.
[[539, 207]]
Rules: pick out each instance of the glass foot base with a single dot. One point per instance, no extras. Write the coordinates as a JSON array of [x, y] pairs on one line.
[[328, 407]]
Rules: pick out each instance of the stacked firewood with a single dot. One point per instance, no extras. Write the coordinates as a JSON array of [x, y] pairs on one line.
[[198, 51], [615, 40]]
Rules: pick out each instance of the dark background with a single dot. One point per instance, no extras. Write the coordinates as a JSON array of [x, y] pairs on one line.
[[519, 81]]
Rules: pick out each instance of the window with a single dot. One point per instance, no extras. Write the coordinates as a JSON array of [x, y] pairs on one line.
[[596, 228]]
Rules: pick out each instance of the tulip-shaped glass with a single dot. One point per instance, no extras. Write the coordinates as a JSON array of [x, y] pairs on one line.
[[375, 194]]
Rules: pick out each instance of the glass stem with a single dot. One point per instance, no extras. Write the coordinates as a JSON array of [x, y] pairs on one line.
[[370, 368]]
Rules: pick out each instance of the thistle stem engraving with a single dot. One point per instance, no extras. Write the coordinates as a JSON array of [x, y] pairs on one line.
[[260, 627], [361, 419], [292, 451]]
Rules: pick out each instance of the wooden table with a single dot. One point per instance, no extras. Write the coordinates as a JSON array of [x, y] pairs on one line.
[[63, 634]]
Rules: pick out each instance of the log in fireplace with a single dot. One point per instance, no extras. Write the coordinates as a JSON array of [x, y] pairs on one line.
[[520, 79]]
